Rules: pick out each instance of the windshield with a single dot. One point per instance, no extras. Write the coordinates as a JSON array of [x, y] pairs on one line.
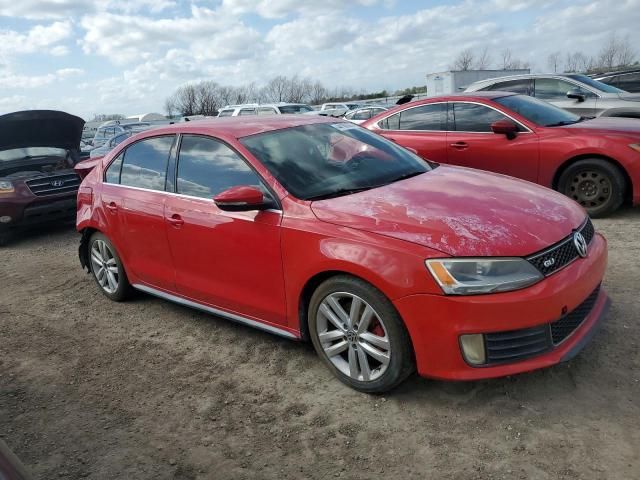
[[603, 87], [325, 160], [295, 108], [31, 152], [537, 111]]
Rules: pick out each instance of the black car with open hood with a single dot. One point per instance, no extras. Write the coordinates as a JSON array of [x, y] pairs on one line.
[[38, 150]]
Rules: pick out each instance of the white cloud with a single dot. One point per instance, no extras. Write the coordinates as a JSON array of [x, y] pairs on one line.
[[282, 8], [34, 40]]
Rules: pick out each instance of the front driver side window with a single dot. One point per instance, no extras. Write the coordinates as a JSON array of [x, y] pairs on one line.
[[556, 89], [207, 167]]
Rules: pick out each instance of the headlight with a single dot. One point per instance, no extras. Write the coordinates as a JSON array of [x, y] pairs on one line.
[[635, 146], [469, 276], [6, 186]]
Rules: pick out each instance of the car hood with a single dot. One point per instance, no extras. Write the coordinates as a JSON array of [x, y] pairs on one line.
[[40, 128], [460, 212], [609, 125]]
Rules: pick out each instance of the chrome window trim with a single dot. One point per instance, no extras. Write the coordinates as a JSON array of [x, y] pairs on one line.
[[172, 194], [527, 129], [199, 306]]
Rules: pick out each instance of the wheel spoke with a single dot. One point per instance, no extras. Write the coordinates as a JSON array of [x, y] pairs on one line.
[[95, 255], [338, 310], [326, 337], [113, 283], [328, 313], [382, 357], [373, 339], [365, 319], [364, 365], [354, 312], [353, 363], [336, 348]]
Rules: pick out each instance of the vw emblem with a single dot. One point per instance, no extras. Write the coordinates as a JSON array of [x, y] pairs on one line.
[[580, 243], [57, 183]]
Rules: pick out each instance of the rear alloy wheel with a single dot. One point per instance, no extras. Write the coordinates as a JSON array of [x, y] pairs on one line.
[[595, 184], [107, 269], [359, 335]]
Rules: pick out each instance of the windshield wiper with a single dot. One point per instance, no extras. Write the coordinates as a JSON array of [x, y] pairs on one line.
[[565, 122], [341, 192], [403, 177]]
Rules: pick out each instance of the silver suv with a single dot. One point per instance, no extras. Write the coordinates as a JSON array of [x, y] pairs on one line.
[[264, 109], [574, 92]]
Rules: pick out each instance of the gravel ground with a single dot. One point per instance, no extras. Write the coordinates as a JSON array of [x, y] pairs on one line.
[[150, 390]]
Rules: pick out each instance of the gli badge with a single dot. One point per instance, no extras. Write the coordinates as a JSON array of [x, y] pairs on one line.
[[549, 262]]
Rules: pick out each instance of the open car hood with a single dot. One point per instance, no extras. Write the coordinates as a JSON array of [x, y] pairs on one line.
[[40, 128]]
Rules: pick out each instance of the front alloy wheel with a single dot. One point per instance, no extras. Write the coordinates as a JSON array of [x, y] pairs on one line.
[[359, 334], [353, 336]]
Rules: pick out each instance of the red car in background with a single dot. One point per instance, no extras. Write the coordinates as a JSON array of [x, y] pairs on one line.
[[314, 228], [596, 162]]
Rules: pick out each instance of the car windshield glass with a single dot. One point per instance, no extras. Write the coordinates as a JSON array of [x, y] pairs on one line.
[[326, 160], [537, 111], [31, 152], [603, 87], [294, 108]]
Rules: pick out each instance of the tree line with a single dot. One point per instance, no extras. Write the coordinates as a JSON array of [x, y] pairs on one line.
[[615, 53], [207, 97]]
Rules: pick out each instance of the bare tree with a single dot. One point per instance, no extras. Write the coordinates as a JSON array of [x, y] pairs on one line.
[[464, 60], [553, 61], [483, 61], [505, 58], [318, 93], [276, 89], [105, 117], [626, 53], [609, 52], [576, 62]]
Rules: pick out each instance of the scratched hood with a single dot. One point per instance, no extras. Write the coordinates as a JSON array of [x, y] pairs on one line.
[[460, 212]]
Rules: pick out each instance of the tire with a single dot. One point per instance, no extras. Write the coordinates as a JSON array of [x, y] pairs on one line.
[[596, 184], [5, 238], [114, 283], [372, 354]]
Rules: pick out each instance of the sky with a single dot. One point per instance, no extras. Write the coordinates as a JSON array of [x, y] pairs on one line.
[[127, 56]]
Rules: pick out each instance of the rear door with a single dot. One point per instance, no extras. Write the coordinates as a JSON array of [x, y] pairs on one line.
[[230, 260], [422, 128], [472, 143], [133, 198]]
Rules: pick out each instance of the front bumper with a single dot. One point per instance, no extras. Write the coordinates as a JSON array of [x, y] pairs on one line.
[[436, 322], [25, 212]]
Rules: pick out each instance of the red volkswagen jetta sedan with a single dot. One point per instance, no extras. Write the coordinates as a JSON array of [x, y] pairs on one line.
[[594, 161], [314, 228]]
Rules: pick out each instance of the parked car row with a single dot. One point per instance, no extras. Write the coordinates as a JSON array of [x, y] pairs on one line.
[[264, 109]]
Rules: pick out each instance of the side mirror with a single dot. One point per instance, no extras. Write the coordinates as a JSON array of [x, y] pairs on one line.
[[577, 95], [505, 127], [242, 198]]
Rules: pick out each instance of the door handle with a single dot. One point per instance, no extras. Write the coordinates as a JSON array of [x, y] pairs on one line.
[[175, 220], [112, 207], [460, 145]]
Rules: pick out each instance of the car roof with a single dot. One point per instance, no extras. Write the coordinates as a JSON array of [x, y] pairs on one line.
[[245, 126]]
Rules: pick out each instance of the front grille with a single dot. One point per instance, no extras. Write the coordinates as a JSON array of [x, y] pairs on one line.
[[516, 345], [562, 253], [564, 327], [54, 185]]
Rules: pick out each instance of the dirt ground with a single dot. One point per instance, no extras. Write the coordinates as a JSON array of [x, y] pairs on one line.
[[150, 390]]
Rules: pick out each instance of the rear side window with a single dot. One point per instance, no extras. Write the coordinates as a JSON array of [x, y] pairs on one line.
[[113, 171], [145, 163], [266, 111], [247, 111], [361, 115], [206, 167], [523, 86], [426, 117], [471, 117], [225, 113], [629, 82]]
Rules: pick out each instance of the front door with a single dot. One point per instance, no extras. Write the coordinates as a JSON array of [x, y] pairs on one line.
[[471, 143], [230, 260], [554, 90]]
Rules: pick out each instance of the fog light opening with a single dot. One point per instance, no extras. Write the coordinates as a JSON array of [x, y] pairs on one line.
[[473, 349]]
